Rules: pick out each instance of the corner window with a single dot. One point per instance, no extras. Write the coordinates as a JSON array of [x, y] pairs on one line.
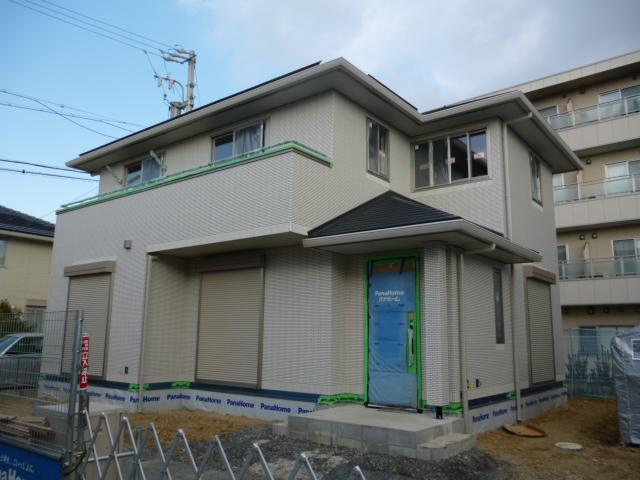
[[536, 182], [3, 253], [498, 302], [378, 151], [450, 159], [142, 171], [238, 142]]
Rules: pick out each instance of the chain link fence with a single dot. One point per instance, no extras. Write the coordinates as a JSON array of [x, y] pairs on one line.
[[588, 366], [37, 389]]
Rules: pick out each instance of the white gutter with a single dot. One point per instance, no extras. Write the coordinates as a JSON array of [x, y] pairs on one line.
[[459, 225]]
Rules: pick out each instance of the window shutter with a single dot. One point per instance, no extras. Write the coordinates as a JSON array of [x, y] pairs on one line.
[[540, 322]]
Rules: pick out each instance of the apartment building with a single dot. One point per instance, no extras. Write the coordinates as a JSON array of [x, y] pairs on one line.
[[596, 110], [317, 238]]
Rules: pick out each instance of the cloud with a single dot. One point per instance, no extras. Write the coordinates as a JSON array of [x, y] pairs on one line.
[[431, 52]]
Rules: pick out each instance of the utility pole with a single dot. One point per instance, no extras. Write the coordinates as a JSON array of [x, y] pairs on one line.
[[181, 56]]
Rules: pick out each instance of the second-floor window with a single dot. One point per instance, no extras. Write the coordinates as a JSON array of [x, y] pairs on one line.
[[142, 171], [3, 253], [623, 177], [378, 149], [450, 159], [238, 142], [627, 253], [549, 111], [536, 181]]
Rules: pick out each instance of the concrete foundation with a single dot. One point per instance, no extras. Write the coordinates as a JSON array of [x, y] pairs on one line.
[[382, 431]]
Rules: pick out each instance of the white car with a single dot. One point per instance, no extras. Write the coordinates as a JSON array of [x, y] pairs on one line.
[[20, 357]]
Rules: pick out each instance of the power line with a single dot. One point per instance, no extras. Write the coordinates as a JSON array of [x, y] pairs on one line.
[[70, 201], [86, 29], [26, 107], [74, 122], [40, 165], [31, 172], [84, 22], [64, 105], [106, 23]]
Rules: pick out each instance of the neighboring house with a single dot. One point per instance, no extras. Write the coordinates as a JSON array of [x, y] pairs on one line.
[[25, 259], [315, 239], [596, 110]]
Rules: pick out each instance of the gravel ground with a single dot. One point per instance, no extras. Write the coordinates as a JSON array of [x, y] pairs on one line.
[[336, 463]]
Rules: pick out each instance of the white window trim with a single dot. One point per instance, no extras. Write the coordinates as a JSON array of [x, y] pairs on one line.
[[140, 160], [566, 249], [533, 157], [636, 242], [448, 136], [6, 249], [549, 106], [382, 176]]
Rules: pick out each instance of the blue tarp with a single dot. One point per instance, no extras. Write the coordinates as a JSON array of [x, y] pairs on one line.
[[392, 302]]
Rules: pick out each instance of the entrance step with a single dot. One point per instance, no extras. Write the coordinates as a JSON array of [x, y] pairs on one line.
[[445, 446], [372, 430]]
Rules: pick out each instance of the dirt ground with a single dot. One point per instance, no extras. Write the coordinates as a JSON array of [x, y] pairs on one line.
[[591, 423], [198, 426]]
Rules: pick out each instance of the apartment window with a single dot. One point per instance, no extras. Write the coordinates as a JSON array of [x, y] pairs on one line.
[[627, 253], [549, 111], [588, 340], [498, 303], [619, 94], [3, 252], [238, 142], [378, 149], [450, 159], [623, 177], [563, 257], [142, 171], [536, 181]]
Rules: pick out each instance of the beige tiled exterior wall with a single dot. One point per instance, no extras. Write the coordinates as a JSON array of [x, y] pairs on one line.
[[599, 247], [24, 278]]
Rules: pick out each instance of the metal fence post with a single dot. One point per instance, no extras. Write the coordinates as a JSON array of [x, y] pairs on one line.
[[73, 387]]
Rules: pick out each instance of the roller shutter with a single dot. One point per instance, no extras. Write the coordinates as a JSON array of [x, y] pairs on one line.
[[540, 320], [91, 294], [229, 327]]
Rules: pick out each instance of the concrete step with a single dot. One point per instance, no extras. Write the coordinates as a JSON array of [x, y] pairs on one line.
[[445, 446], [371, 430]]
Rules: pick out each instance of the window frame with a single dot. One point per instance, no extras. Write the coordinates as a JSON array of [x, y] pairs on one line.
[[636, 246], [232, 131], [557, 110], [454, 134], [368, 125], [537, 161], [4, 244], [618, 91], [498, 306]]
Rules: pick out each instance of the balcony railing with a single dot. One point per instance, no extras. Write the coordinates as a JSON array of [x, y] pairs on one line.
[[610, 267], [609, 187], [595, 113]]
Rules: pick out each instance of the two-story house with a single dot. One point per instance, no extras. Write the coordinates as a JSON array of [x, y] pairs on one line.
[[315, 239], [596, 111], [25, 261]]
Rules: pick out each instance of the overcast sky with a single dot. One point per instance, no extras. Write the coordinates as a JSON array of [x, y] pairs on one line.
[[430, 52]]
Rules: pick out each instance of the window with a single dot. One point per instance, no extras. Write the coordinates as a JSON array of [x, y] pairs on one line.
[[450, 159], [238, 142], [622, 177], [142, 171], [536, 182], [378, 149], [3, 253], [26, 345], [563, 257], [548, 111], [627, 253], [498, 302], [588, 341]]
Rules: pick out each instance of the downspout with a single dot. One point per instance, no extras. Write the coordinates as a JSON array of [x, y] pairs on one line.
[[512, 281], [143, 336], [464, 382]]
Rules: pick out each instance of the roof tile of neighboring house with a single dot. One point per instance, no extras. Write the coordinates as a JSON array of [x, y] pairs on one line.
[[15, 221], [387, 210]]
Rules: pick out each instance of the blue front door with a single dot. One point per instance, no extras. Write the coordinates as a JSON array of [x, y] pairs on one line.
[[392, 332]]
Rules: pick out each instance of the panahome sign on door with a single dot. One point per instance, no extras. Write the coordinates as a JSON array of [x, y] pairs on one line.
[[229, 326], [392, 317]]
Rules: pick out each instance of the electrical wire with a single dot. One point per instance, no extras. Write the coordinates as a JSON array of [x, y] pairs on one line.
[[64, 105], [26, 107], [106, 23], [74, 122], [84, 28], [40, 165], [31, 172], [69, 201]]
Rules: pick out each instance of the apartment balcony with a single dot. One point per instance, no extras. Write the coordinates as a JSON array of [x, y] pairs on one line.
[[600, 281], [601, 202], [593, 129]]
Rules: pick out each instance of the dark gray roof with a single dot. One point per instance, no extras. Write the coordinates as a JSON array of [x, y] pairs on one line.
[[15, 221], [387, 210]]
